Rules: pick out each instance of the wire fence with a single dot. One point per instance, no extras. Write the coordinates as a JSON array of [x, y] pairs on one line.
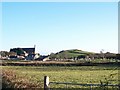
[[106, 86]]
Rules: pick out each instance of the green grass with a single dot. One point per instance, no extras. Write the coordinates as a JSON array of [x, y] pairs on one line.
[[74, 74]]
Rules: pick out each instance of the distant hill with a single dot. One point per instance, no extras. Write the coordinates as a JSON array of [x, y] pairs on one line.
[[70, 54], [76, 54]]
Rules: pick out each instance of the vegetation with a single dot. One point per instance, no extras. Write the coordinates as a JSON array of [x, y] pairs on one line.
[[82, 62], [32, 77], [69, 54], [76, 54], [4, 53], [64, 55]]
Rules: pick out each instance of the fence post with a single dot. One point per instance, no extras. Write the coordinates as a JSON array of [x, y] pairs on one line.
[[46, 83], [90, 87]]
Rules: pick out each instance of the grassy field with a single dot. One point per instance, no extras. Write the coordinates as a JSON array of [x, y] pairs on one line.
[[33, 76]]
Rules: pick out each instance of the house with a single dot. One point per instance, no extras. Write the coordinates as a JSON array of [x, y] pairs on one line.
[[43, 58], [30, 57], [23, 50], [46, 59], [29, 50], [25, 53]]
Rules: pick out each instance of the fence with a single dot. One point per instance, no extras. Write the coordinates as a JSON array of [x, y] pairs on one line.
[[47, 84]]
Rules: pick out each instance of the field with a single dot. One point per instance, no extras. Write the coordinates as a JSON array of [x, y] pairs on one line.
[[33, 76]]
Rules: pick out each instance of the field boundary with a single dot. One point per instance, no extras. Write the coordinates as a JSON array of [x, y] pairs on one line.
[[55, 63], [47, 84]]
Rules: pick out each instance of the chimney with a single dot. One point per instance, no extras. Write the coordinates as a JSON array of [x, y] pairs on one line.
[[34, 47]]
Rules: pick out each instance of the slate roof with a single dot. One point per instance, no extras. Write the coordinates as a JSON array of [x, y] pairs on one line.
[[27, 50]]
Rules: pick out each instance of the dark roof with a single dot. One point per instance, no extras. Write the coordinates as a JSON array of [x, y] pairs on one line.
[[41, 57], [29, 50]]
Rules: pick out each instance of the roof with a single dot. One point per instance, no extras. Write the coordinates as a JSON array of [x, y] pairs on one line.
[[27, 50]]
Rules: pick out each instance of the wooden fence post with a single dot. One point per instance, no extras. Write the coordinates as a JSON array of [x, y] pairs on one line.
[[46, 83]]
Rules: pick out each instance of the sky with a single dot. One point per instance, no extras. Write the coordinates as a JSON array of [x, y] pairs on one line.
[[56, 26]]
